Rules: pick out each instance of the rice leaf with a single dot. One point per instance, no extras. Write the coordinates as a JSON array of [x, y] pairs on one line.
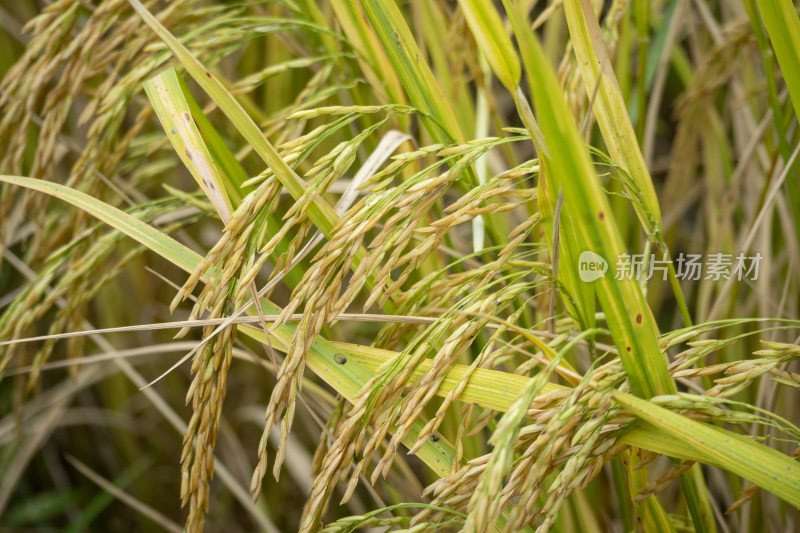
[[764, 466], [492, 39], [319, 211], [586, 212]]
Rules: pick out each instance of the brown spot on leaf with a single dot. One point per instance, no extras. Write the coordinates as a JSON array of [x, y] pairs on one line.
[[638, 318]]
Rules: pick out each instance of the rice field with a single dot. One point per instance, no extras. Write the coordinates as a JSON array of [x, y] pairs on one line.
[[401, 266]]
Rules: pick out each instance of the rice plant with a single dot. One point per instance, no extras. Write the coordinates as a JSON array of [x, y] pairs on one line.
[[287, 265]]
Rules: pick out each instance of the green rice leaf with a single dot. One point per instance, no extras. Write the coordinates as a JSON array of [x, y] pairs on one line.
[[487, 28], [587, 215], [767, 468]]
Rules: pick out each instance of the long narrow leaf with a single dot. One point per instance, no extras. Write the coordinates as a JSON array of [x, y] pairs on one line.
[[767, 468], [609, 107], [319, 211], [412, 69], [587, 214]]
